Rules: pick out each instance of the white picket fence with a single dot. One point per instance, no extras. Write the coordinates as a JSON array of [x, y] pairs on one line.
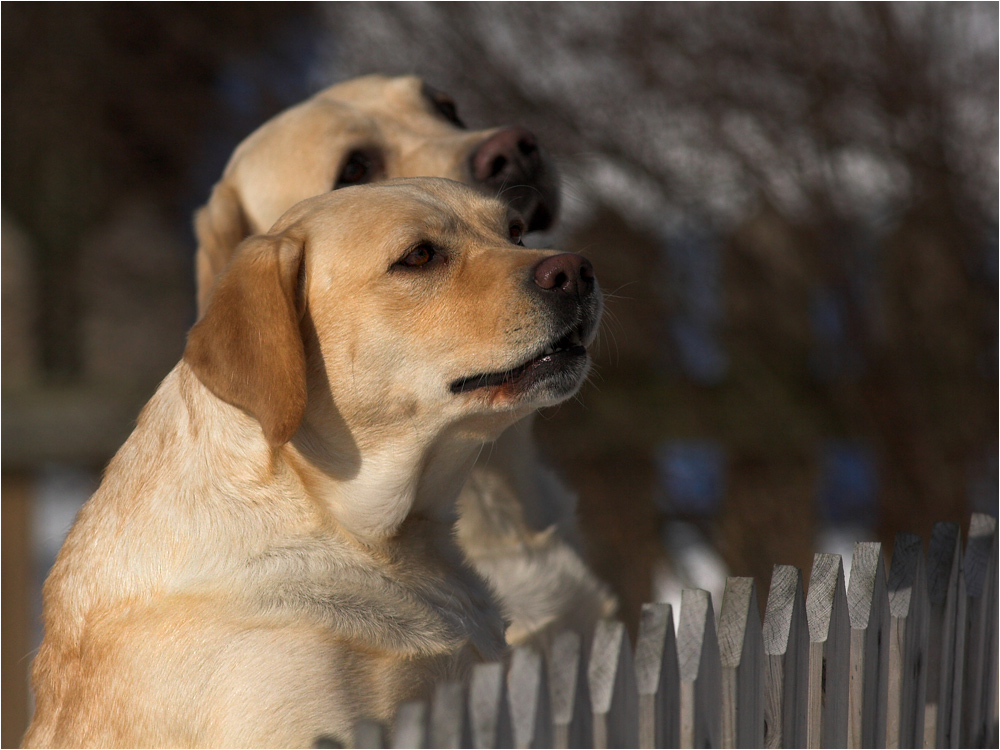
[[904, 659]]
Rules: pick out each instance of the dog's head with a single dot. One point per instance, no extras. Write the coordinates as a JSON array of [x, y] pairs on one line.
[[361, 131], [375, 323]]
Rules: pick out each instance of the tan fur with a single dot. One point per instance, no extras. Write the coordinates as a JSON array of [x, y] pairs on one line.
[[224, 587], [220, 226], [248, 348], [516, 506]]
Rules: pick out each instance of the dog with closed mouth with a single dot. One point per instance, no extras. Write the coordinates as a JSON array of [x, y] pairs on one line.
[[271, 554], [517, 521]]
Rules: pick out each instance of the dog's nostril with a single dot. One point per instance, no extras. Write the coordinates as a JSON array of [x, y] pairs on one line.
[[497, 165], [567, 273], [509, 154]]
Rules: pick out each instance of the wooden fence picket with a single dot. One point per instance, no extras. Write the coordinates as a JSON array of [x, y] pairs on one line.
[[700, 672], [980, 695], [899, 658], [489, 711], [908, 629], [657, 678], [569, 693], [741, 652], [786, 664], [868, 604], [411, 725], [613, 692], [528, 691], [369, 734], [829, 653], [449, 726], [946, 637]]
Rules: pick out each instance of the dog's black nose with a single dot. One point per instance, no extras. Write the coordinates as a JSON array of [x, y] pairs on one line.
[[567, 273], [510, 155]]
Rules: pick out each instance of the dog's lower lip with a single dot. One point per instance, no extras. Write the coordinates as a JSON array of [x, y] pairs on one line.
[[510, 377]]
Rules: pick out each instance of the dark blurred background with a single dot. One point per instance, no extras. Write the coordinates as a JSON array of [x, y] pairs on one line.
[[793, 208]]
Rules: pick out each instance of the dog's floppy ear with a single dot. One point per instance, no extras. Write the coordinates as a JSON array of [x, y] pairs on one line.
[[247, 348], [219, 226]]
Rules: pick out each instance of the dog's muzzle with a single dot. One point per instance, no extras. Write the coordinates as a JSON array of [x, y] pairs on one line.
[[510, 165], [568, 291]]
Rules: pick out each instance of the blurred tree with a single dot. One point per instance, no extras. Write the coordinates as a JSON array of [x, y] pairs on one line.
[[104, 101], [843, 110]]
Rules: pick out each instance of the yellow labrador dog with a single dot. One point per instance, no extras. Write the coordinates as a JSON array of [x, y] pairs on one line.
[[271, 553], [517, 521]]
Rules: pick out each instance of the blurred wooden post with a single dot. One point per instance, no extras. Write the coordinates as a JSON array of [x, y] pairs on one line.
[[449, 727], [868, 603], [489, 711], [908, 610], [528, 690], [980, 694], [369, 733], [829, 653], [946, 639], [410, 727], [570, 696], [613, 693], [741, 652], [786, 668], [700, 672], [17, 604], [657, 678]]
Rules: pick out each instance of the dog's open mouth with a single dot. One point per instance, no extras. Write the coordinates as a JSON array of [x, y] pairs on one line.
[[558, 356]]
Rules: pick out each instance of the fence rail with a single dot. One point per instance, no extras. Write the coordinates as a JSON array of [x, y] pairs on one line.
[[904, 657]]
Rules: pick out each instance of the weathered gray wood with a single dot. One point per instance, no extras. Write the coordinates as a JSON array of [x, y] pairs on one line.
[[879, 654], [829, 653], [700, 672], [489, 711], [613, 693], [325, 742], [569, 693], [741, 652], [980, 694], [449, 726], [786, 667], [958, 685], [946, 639], [528, 691], [908, 629], [369, 733], [657, 678], [868, 604], [410, 727]]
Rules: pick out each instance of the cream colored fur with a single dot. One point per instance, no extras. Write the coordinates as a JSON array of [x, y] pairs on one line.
[[242, 578], [518, 520]]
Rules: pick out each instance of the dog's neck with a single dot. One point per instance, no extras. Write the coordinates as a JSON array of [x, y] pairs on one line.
[[369, 479], [370, 493]]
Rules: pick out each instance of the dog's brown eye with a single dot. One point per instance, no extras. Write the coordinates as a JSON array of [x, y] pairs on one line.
[[357, 170], [444, 104], [421, 255], [516, 233]]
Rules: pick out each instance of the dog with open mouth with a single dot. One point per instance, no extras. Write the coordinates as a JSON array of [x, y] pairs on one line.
[[271, 554], [517, 520]]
